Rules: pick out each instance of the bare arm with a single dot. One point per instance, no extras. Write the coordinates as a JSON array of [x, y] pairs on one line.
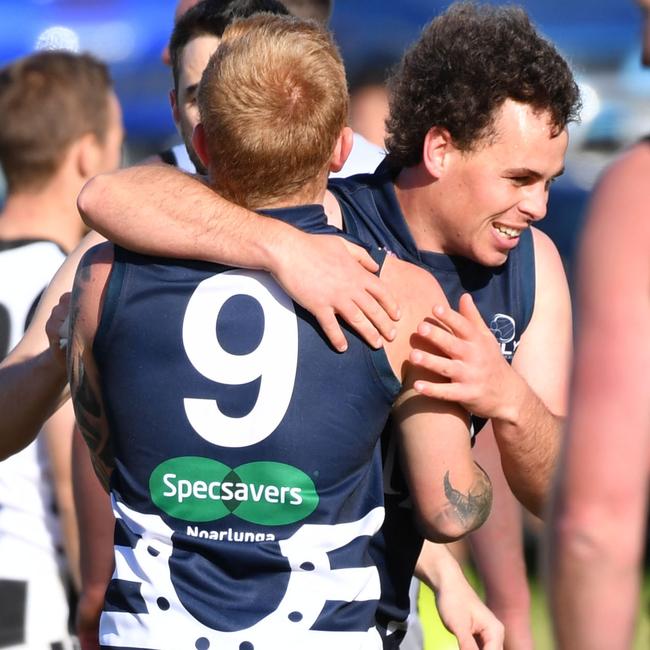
[[461, 610], [159, 210], [497, 548], [529, 438], [85, 308], [599, 510], [526, 401], [451, 494], [58, 439], [96, 526], [33, 382]]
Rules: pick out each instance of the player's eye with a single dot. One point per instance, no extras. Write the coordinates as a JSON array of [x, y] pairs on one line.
[[520, 180]]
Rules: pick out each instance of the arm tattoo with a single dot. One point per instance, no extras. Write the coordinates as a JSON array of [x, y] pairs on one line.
[[473, 508], [89, 415], [86, 398]]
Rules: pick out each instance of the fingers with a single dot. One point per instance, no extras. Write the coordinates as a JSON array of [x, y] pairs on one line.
[[490, 639], [489, 632], [466, 642], [463, 321], [447, 392], [467, 308], [453, 320], [446, 342], [373, 316], [376, 288], [361, 255], [63, 332], [56, 327], [384, 298], [371, 310], [332, 329], [364, 315], [439, 365]]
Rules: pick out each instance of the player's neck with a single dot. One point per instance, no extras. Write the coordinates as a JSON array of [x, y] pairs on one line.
[[294, 201], [416, 192], [47, 213]]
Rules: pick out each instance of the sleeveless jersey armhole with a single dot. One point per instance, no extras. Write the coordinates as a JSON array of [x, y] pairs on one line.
[[383, 370], [526, 273]]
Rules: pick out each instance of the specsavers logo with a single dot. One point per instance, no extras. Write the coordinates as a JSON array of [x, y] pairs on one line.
[[196, 489]]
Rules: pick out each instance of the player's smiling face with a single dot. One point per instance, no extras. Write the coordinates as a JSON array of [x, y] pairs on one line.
[[493, 193]]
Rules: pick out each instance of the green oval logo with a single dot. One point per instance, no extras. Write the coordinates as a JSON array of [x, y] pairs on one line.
[[189, 488], [279, 494], [198, 489]]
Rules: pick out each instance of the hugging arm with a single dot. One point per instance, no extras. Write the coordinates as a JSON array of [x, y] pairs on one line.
[[322, 273]]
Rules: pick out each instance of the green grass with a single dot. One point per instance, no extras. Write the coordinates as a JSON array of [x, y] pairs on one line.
[[436, 636]]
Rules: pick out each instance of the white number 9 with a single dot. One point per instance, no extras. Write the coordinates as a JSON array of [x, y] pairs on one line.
[[274, 360]]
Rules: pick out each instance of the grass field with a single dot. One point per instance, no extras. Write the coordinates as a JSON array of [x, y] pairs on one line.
[[437, 638]]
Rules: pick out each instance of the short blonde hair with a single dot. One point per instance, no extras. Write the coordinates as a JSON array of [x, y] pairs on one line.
[[273, 101]]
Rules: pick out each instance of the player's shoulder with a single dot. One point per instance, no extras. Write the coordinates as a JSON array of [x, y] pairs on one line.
[[89, 290], [93, 272], [417, 288], [546, 252], [622, 194], [97, 256]]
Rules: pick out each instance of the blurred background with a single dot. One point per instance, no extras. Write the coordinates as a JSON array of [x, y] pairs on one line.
[[600, 38]]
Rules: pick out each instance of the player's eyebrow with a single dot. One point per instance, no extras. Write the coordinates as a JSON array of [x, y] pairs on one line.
[[516, 172]]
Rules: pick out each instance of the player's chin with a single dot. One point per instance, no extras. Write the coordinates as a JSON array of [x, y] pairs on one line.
[[492, 257]]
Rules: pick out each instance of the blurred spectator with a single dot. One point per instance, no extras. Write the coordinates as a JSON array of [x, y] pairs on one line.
[[61, 125], [369, 99]]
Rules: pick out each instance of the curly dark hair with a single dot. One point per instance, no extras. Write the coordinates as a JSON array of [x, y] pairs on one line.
[[466, 63]]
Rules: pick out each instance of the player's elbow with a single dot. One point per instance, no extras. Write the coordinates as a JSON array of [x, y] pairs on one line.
[[591, 535], [447, 524], [458, 514], [89, 199]]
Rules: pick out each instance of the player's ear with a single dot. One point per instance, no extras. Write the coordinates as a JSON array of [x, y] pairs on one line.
[[342, 149], [199, 144], [173, 102], [87, 152], [438, 144]]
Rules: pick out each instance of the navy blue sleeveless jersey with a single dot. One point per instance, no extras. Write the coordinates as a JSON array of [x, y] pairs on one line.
[[504, 296], [248, 478]]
